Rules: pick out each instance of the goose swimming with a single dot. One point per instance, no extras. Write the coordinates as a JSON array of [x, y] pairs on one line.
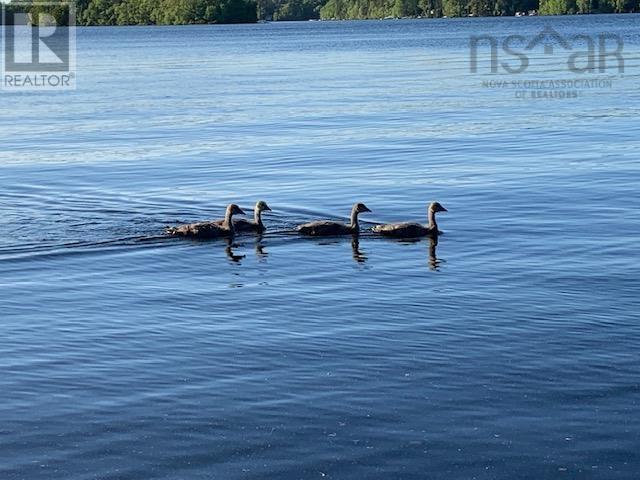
[[213, 229], [408, 230], [328, 227], [255, 226]]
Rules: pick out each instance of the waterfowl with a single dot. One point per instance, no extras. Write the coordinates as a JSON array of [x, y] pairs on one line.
[[408, 230], [328, 227], [255, 226], [214, 229]]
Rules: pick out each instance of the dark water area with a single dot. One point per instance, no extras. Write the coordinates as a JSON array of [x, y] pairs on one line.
[[508, 350]]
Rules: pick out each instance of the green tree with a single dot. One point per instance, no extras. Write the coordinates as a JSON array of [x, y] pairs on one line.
[[100, 12], [453, 8], [583, 6], [553, 7]]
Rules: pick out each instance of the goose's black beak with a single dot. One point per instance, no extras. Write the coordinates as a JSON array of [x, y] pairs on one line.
[[240, 211]]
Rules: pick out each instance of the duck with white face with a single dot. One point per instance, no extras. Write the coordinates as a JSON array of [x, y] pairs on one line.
[[205, 230], [412, 230], [242, 225], [329, 228]]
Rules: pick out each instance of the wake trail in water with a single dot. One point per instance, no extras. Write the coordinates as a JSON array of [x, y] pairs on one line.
[[43, 240]]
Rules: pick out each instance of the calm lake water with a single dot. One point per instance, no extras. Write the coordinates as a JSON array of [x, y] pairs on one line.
[[509, 350]]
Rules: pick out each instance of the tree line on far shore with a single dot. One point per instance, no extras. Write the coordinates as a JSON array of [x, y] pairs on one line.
[[361, 9], [149, 12], [182, 12]]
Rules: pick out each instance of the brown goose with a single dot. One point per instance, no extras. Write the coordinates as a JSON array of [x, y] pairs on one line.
[[242, 225], [408, 230], [209, 229], [328, 227]]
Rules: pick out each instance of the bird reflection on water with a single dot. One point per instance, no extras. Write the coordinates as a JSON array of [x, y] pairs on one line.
[[230, 247], [358, 256], [230, 254], [434, 263], [260, 252]]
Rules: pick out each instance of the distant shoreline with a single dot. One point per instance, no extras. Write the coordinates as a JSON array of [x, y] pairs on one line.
[[420, 17], [95, 13], [377, 19], [335, 20]]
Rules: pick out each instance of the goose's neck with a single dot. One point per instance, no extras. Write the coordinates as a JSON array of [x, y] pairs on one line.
[[228, 222], [354, 220], [257, 217], [432, 220]]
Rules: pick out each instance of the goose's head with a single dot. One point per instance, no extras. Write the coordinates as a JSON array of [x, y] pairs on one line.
[[360, 208], [262, 206], [234, 209], [436, 207]]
